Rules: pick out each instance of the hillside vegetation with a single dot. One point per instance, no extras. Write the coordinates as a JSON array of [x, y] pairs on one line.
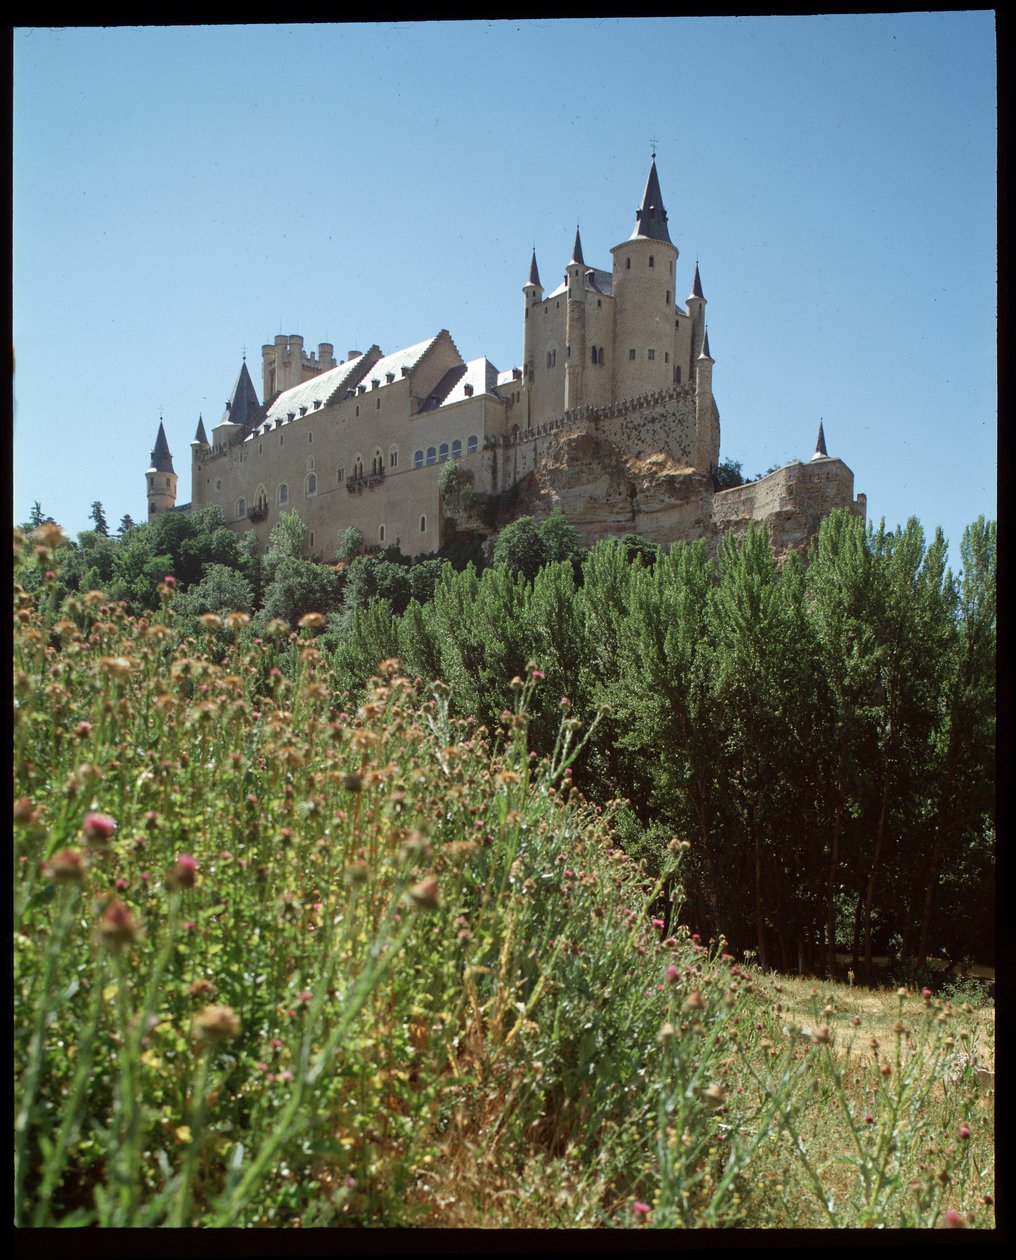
[[286, 957]]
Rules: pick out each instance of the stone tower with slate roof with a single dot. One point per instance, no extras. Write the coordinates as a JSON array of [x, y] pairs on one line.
[[611, 418]]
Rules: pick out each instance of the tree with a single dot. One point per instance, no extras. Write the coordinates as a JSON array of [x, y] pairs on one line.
[[728, 474], [350, 545], [99, 517], [126, 523], [521, 547]]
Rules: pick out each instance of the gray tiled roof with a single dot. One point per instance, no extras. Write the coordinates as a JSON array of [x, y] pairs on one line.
[[651, 217], [534, 275], [704, 353], [696, 285], [820, 446], [576, 254], [201, 436], [597, 281], [479, 375], [319, 389], [242, 405], [162, 461]]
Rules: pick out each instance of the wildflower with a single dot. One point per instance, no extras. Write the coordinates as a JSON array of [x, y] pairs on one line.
[[118, 926], [183, 873], [98, 829], [964, 1132], [169, 579], [641, 1210], [83, 730], [424, 894], [673, 974], [311, 621], [215, 1025], [209, 620], [201, 988], [658, 923], [66, 867], [25, 812], [236, 620], [926, 994], [49, 534], [694, 1001], [115, 666], [714, 1094], [953, 1220], [305, 995], [869, 1118]]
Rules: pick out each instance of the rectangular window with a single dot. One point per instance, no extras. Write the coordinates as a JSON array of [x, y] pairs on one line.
[[631, 354], [652, 355]]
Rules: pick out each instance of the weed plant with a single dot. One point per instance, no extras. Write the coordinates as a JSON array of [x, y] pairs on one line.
[[279, 963]]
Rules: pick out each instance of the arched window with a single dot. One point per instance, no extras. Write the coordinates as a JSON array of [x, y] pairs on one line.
[[241, 509], [377, 462], [627, 264], [651, 261], [472, 446], [340, 475], [423, 524], [443, 452], [261, 499], [457, 449], [431, 455], [380, 533], [393, 457], [358, 466], [311, 487], [283, 494], [418, 459], [594, 354]]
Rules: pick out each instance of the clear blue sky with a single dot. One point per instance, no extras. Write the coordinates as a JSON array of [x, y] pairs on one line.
[[183, 192]]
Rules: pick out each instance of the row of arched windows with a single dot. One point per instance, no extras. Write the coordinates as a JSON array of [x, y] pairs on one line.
[[441, 454]]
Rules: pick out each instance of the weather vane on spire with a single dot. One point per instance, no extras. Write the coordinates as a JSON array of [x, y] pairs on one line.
[[654, 144]]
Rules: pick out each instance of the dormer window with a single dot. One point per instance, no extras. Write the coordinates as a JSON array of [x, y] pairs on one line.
[[374, 382], [389, 377], [469, 391]]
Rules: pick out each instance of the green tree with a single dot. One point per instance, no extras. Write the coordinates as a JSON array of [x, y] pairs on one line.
[[521, 547], [99, 517]]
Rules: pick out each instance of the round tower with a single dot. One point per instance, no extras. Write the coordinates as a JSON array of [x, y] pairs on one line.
[[697, 312], [532, 297], [575, 328], [161, 478], [644, 273]]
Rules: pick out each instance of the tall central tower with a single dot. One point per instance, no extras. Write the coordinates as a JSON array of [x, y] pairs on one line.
[[644, 282]]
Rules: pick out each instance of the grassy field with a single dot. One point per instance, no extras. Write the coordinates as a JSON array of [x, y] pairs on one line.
[[282, 963]]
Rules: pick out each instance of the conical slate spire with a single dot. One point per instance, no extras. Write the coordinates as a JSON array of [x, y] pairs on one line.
[[820, 446], [576, 254], [242, 405], [651, 217], [534, 275], [200, 435], [162, 461], [696, 285], [704, 353]]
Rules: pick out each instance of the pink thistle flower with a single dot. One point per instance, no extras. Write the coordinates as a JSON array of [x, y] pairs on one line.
[[98, 828], [673, 974], [285, 1076], [169, 579], [869, 1118], [84, 729], [964, 1132], [953, 1220], [305, 995], [926, 994], [183, 873], [275, 1043], [121, 884], [658, 923], [538, 674], [641, 1210]]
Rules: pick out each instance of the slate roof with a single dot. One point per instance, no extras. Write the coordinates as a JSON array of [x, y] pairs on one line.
[[242, 405], [534, 275], [201, 436], [651, 217], [319, 389], [696, 285], [820, 446], [576, 254], [597, 281], [162, 461], [704, 353], [479, 375]]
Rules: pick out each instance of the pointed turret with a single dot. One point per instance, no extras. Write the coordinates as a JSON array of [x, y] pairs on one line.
[[534, 274], [576, 254], [696, 286], [704, 352], [820, 446], [200, 437], [162, 461], [161, 477], [651, 217], [242, 405]]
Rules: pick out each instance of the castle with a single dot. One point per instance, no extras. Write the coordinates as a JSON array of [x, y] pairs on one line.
[[611, 418]]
